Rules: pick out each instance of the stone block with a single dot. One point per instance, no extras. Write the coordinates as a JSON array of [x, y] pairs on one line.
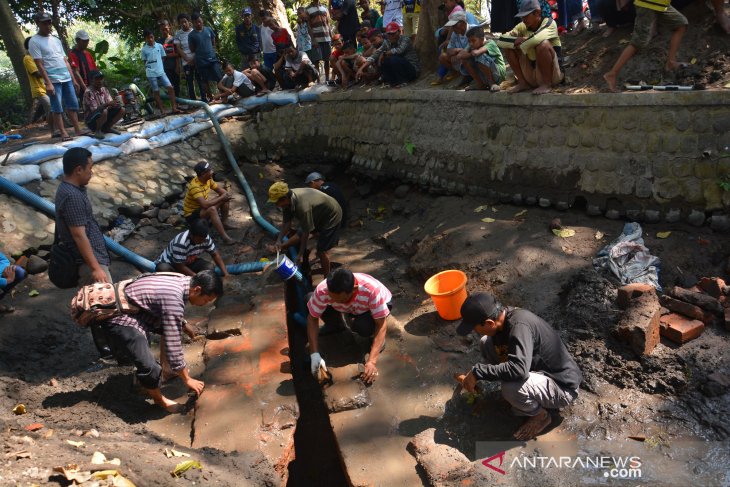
[[720, 223], [652, 216], [722, 124], [714, 286], [705, 169], [444, 465], [644, 188], [639, 325], [347, 390], [673, 215], [631, 291], [680, 329], [686, 309], [696, 218]]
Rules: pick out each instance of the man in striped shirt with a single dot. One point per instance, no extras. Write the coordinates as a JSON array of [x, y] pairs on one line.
[[161, 299], [365, 299], [181, 254], [319, 29]]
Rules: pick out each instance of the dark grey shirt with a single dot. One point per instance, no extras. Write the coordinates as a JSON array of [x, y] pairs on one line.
[[73, 209], [403, 47], [532, 346], [315, 210]]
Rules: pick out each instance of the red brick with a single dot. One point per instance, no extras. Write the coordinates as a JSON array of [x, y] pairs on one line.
[[630, 291], [686, 309], [639, 325], [679, 329], [714, 286], [704, 301]]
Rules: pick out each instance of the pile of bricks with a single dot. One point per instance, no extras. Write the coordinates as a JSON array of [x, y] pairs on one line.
[[680, 315]]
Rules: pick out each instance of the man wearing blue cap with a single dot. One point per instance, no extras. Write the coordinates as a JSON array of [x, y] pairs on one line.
[[527, 356], [248, 38]]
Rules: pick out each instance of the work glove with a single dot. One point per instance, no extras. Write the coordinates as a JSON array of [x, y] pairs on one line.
[[317, 362]]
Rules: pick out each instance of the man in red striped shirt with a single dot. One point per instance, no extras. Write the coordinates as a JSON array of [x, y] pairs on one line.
[[161, 299], [361, 296]]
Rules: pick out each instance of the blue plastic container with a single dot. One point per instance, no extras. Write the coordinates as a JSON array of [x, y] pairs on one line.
[[285, 267]]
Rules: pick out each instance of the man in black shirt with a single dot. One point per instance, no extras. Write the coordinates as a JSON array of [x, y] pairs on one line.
[[526, 355], [248, 38], [315, 180]]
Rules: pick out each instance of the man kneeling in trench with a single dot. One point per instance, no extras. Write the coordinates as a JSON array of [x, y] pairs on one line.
[[161, 299], [526, 355]]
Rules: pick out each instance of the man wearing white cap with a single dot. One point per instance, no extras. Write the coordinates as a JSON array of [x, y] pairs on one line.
[[82, 61], [457, 43]]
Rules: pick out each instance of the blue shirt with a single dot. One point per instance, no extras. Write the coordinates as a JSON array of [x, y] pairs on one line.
[[152, 59], [458, 41], [4, 263], [201, 43]]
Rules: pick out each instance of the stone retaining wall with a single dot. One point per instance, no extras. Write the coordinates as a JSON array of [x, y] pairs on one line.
[[645, 156], [141, 179]]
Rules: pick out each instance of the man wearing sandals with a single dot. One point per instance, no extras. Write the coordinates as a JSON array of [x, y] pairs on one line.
[[47, 52], [101, 111], [161, 299], [526, 355]]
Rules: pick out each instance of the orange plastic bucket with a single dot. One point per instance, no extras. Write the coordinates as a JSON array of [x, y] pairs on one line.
[[448, 292]]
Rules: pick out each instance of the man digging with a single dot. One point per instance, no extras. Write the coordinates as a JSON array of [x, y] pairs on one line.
[[526, 355]]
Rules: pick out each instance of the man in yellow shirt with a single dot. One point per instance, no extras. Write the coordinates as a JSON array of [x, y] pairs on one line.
[[532, 50], [197, 203], [37, 88]]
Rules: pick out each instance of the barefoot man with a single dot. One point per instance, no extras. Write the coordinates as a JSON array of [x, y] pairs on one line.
[[526, 355], [161, 299], [532, 50]]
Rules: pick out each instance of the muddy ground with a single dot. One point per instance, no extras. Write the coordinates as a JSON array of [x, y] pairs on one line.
[[49, 364]]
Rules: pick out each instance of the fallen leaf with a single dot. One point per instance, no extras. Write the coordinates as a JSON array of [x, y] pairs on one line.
[[183, 467], [599, 235], [663, 234], [72, 473], [33, 293], [693, 60], [19, 409], [480, 209], [121, 481], [488, 220], [34, 427], [77, 444], [409, 147], [494, 210], [519, 214], [261, 175], [563, 232], [98, 458], [727, 86], [102, 474]]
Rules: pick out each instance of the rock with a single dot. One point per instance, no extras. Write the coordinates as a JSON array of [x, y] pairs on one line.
[[594, 210], [696, 218], [132, 211], [144, 222], [717, 384], [686, 309], [401, 191], [708, 303], [613, 214], [544, 202], [639, 325], [397, 207], [444, 465], [720, 223], [652, 216], [44, 254], [364, 189], [531, 200], [164, 205], [714, 286], [562, 205], [148, 231], [174, 220], [151, 213], [673, 216], [36, 265], [517, 199], [164, 214]]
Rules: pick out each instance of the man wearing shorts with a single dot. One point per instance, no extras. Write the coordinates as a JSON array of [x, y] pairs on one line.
[[47, 52], [319, 30], [202, 43], [315, 212], [152, 54], [197, 203]]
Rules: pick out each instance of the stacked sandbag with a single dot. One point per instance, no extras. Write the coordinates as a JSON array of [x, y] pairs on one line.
[[135, 145], [116, 139], [150, 129], [281, 98], [21, 174], [166, 138], [195, 128], [35, 154], [174, 122], [52, 169], [102, 152]]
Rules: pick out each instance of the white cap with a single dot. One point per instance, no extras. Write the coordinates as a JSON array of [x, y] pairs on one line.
[[313, 177], [82, 35]]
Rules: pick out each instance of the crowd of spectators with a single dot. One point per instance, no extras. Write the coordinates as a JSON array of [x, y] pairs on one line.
[[332, 43]]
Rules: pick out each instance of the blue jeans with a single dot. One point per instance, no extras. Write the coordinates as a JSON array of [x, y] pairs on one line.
[[569, 11], [269, 59], [64, 96]]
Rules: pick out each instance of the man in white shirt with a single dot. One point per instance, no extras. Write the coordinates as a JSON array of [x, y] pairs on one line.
[[295, 69], [267, 42], [233, 86], [47, 52], [186, 55]]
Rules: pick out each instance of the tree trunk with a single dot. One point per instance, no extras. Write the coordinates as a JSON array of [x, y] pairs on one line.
[[60, 28], [431, 18], [277, 9], [13, 39]]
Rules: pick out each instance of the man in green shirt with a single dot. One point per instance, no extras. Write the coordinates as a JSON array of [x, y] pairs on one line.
[[316, 213]]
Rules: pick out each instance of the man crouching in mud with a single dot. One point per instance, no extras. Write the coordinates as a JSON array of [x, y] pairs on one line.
[[526, 355], [161, 299]]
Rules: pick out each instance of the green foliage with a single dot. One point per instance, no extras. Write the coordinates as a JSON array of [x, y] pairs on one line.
[[724, 183], [11, 99]]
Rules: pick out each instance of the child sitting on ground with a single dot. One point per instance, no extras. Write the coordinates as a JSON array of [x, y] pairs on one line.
[[10, 276], [336, 54], [258, 71], [346, 64], [152, 54], [483, 61]]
